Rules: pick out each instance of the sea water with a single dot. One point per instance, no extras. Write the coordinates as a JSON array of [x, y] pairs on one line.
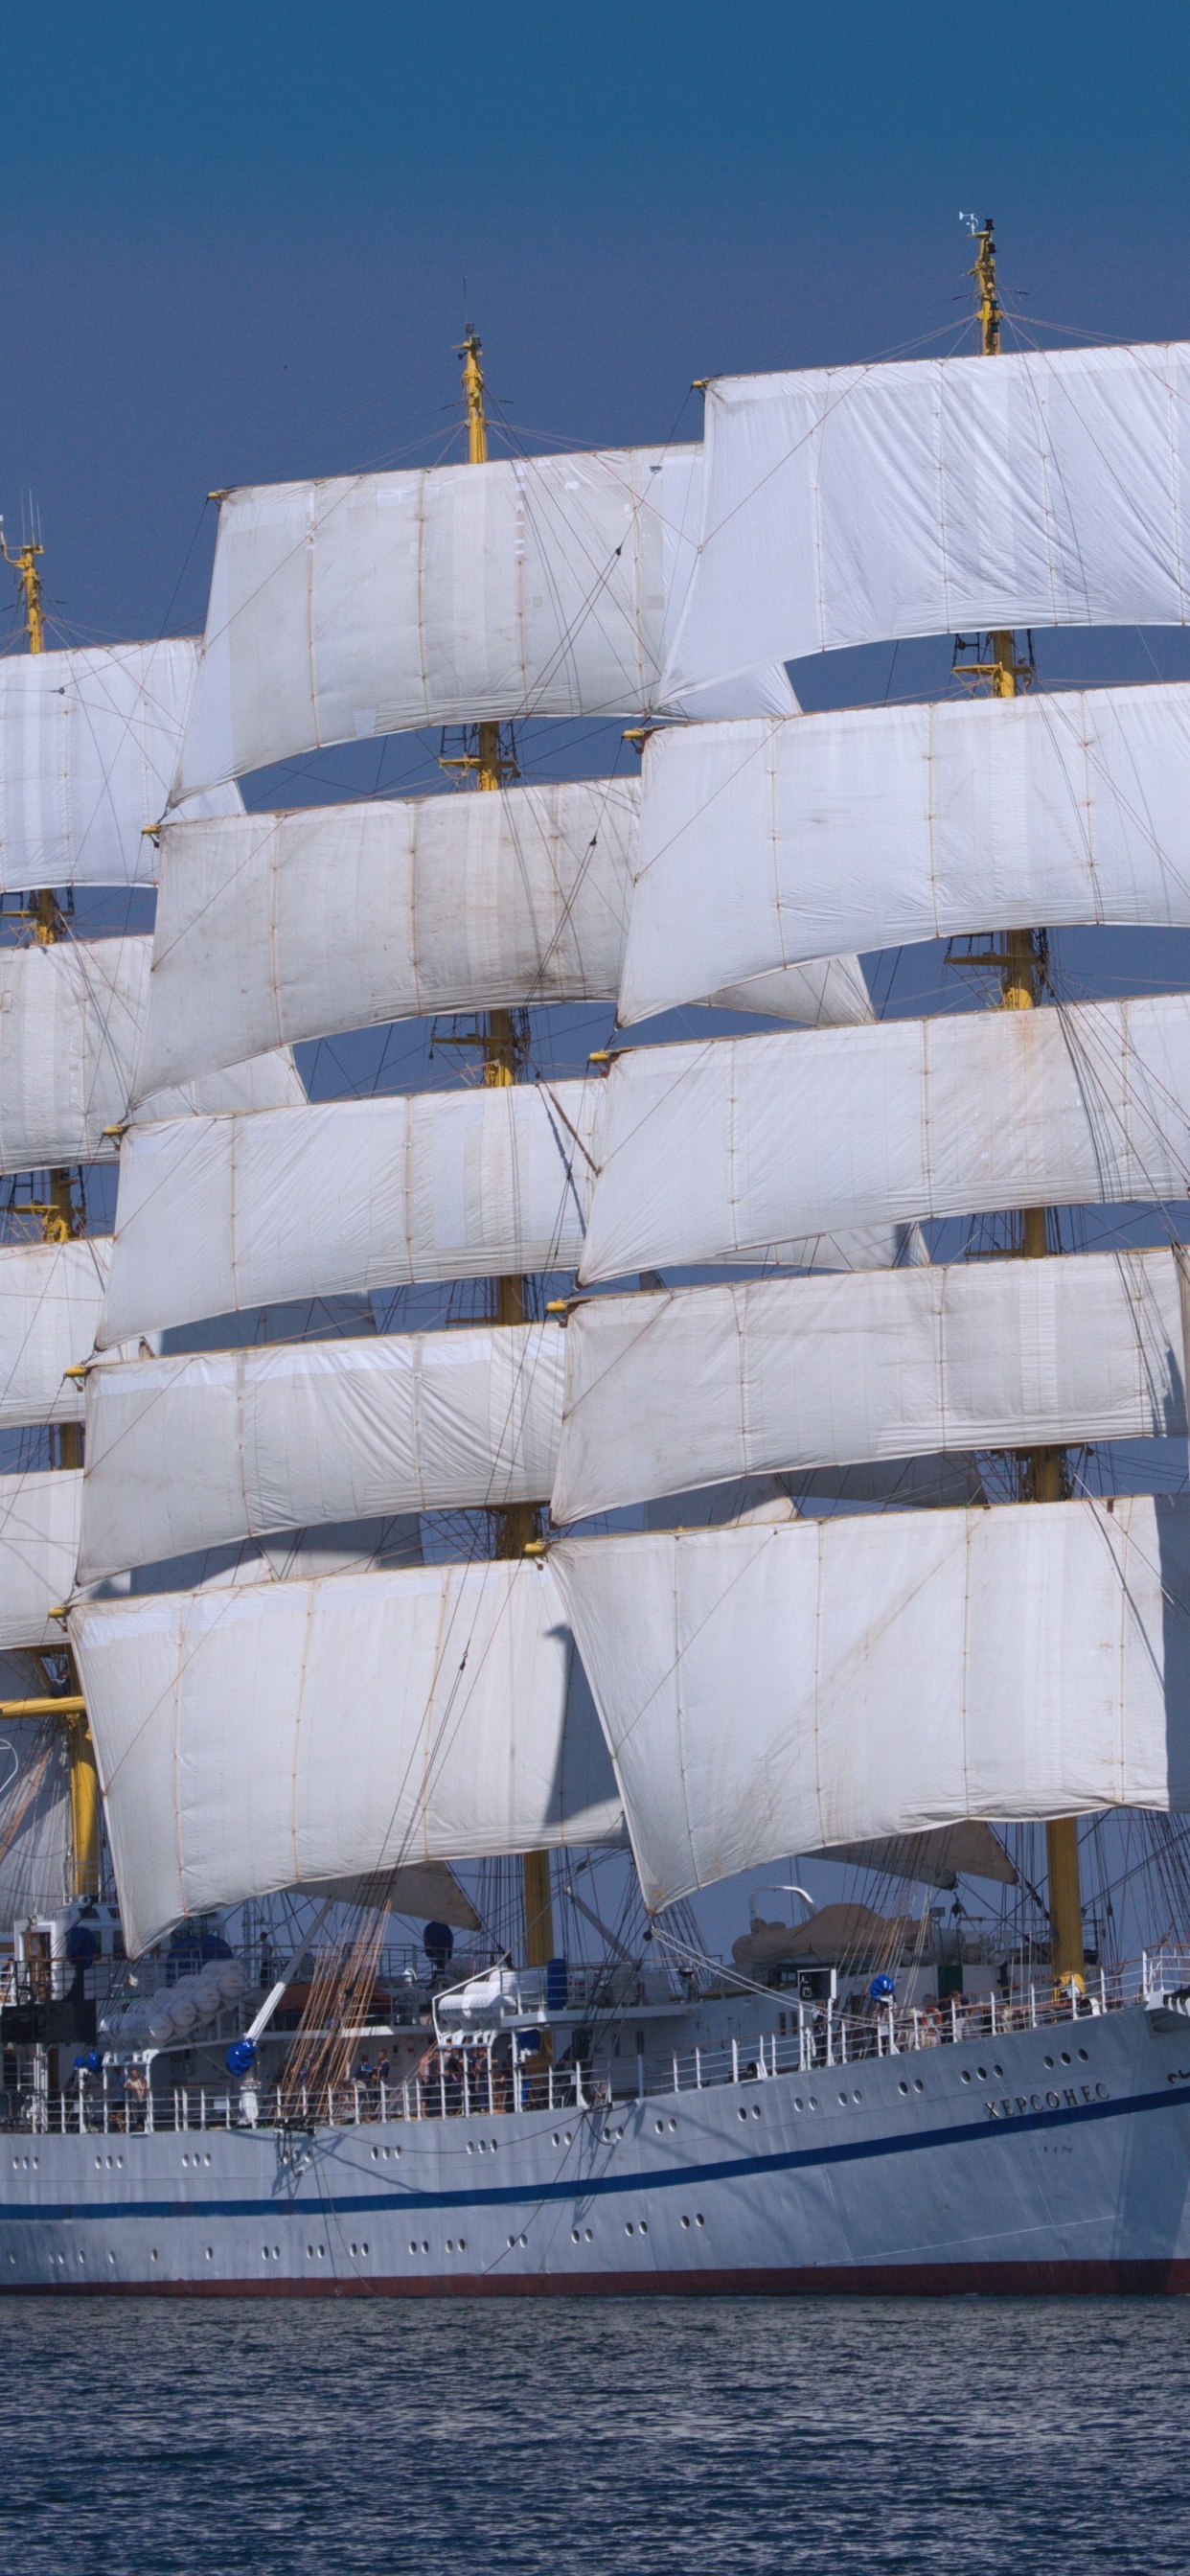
[[773, 2438]]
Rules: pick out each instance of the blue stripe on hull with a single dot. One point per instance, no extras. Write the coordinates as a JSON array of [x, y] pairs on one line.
[[599, 2186]]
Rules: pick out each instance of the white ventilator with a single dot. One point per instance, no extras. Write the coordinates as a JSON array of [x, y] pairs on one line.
[[88, 746], [940, 495], [285, 1437], [815, 1682], [722, 1151], [433, 1713], [675, 1390], [537, 586], [277, 927], [767, 845]]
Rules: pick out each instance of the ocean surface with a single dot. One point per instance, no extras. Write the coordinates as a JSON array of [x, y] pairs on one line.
[[978, 2437]]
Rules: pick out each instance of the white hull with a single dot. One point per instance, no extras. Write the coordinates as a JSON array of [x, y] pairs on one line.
[[1064, 2165]]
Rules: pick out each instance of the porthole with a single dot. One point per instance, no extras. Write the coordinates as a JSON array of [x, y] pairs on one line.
[[376, 2155], [742, 2114], [842, 2097], [450, 2245], [413, 2244], [587, 2234], [363, 2249], [799, 2105], [1065, 2057], [153, 2254], [1083, 2054], [524, 2240], [982, 2073], [1047, 2061], [673, 2124], [628, 2227], [686, 2222], [569, 2140], [511, 2242], [856, 2097], [462, 2245], [574, 2236], [756, 2110], [918, 2086], [643, 2225], [557, 2138], [699, 2220], [659, 2126], [354, 2249], [966, 2077], [425, 2245]]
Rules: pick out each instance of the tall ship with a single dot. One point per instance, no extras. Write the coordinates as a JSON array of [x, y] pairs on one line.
[[526, 1394]]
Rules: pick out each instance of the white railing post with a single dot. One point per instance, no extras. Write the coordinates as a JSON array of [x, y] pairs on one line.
[[578, 2084], [1032, 2006], [830, 2030], [698, 2070], [491, 2089], [993, 2012], [735, 2061], [954, 2018], [640, 2075], [383, 2103]]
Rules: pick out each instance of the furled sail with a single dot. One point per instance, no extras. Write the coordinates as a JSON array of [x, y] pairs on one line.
[[71, 1016], [294, 1732], [36, 1837], [724, 1149], [279, 927], [540, 586], [220, 1213], [674, 1390], [40, 1516], [847, 504], [765, 844], [773, 1690], [50, 1297], [88, 746], [287, 1436]]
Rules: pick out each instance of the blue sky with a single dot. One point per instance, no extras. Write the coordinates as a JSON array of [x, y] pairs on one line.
[[235, 237]]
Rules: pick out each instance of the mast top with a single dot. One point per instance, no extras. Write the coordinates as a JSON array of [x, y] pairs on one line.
[[984, 274], [477, 425], [24, 564]]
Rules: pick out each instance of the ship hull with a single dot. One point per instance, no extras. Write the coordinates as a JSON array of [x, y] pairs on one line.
[[1049, 2161]]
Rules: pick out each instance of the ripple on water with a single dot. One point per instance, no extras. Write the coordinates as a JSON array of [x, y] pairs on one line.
[[740, 2437]]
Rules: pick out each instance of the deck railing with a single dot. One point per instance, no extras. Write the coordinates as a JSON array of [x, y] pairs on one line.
[[477, 2081]]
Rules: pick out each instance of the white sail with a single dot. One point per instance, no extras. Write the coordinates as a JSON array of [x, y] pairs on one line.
[[220, 1213], [71, 1016], [50, 1297], [670, 1391], [773, 1690], [765, 844], [280, 927], [40, 1516], [297, 1732], [725, 1149], [287, 1436], [540, 586], [847, 504], [88, 746]]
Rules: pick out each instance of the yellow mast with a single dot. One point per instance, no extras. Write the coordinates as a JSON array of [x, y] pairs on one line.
[[61, 1220], [491, 765], [1022, 976]]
